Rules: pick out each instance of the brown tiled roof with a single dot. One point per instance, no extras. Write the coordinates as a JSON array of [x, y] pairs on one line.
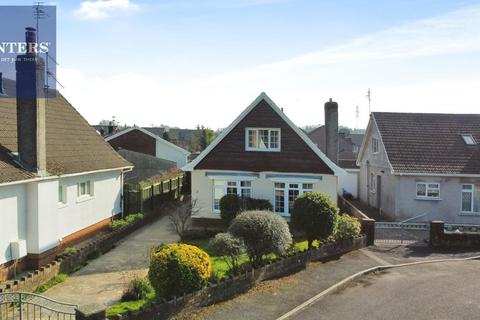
[[430, 142], [73, 146]]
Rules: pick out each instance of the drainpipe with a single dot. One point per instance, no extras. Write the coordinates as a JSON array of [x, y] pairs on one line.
[[368, 183]]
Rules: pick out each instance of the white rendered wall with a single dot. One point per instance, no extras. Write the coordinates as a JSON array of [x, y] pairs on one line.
[[12, 218], [167, 152], [349, 182], [262, 188]]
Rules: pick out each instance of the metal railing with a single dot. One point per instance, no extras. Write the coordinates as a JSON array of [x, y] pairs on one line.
[[27, 306]]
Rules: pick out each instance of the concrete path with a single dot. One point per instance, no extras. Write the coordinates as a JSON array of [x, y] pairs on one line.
[[103, 279], [443, 290]]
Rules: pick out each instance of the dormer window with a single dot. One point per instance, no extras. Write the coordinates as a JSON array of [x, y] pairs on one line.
[[469, 139], [262, 139]]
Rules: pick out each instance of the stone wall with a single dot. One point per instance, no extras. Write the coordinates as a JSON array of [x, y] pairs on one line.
[[456, 239]]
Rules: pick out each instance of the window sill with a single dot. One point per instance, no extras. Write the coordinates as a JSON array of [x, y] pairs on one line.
[[263, 150], [84, 198], [62, 205], [428, 199], [470, 214]]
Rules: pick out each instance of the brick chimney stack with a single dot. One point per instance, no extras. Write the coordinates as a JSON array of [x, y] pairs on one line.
[[30, 91], [331, 130], [2, 90]]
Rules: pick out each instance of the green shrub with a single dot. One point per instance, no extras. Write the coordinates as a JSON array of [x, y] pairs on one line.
[[229, 247], [59, 278], [137, 289], [315, 214], [347, 227], [178, 268], [68, 251], [263, 232], [249, 204], [117, 224], [122, 223], [229, 207]]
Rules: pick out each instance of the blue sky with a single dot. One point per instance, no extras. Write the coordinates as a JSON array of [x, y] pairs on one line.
[[188, 62]]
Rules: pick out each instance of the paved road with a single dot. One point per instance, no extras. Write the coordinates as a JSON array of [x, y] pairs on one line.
[[270, 299], [430, 291], [103, 279]]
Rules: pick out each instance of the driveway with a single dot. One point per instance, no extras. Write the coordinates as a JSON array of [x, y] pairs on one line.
[[103, 279], [445, 290]]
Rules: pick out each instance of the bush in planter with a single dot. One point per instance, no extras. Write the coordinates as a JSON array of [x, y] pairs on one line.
[[178, 268], [229, 247], [315, 214], [263, 232], [347, 227], [137, 289], [229, 207]]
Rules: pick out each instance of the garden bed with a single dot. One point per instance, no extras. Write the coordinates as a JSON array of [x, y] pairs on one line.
[[223, 288]]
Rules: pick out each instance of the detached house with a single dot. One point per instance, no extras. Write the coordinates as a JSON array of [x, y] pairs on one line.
[[141, 140], [59, 180], [263, 155], [422, 166]]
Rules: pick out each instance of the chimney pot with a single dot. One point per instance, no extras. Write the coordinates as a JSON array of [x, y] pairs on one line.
[[31, 40]]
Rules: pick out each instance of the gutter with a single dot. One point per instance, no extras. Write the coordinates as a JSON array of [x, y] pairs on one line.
[[129, 168]]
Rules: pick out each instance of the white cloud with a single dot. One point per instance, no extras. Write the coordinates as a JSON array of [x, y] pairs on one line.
[[101, 9], [389, 61]]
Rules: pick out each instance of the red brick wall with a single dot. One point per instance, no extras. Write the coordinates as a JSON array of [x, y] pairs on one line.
[[135, 140]]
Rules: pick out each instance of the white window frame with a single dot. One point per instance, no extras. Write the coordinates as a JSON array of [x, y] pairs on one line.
[[375, 144], [373, 182], [62, 195], [472, 201], [285, 189], [89, 192], [469, 139], [427, 189], [268, 148], [225, 186]]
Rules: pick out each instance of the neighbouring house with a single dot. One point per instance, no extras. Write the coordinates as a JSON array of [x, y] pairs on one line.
[[59, 180], [145, 166], [262, 155], [343, 151], [422, 165], [142, 140], [184, 138]]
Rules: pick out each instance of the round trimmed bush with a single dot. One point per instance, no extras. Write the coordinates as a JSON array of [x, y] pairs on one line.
[[229, 207], [178, 268], [229, 247], [315, 214], [263, 232], [347, 227]]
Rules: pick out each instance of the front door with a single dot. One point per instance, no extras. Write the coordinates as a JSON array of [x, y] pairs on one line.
[[285, 195]]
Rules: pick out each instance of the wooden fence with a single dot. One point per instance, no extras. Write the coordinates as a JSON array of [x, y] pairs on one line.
[[140, 198]]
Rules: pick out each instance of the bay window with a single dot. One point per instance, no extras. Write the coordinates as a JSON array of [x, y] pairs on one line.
[[222, 187]]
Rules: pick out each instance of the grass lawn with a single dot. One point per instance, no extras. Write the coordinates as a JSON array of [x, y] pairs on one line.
[[125, 306], [221, 268]]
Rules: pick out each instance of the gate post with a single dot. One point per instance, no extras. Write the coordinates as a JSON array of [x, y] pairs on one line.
[[368, 228], [436, 233], [90, 312], [20, 311]]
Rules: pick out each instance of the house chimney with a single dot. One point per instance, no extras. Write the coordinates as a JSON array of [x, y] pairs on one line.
[[2, 90], [331, 130], [30, 91]]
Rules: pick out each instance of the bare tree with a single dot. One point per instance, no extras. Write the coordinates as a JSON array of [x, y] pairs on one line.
[[181, 214]]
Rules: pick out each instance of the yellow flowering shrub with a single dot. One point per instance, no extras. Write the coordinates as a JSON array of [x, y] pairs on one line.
[[178, 268]]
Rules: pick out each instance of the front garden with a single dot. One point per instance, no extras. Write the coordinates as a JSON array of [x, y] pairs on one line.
[[254, 239]]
